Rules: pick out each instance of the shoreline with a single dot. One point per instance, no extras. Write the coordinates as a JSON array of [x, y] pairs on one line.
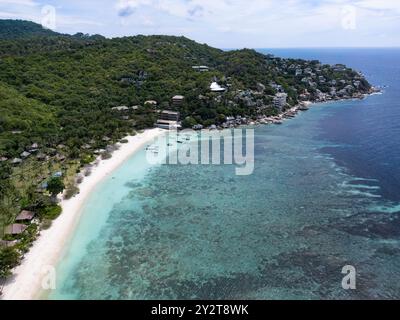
[[26, 281]]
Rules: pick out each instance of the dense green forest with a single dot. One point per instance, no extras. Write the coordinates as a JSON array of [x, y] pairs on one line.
[[57, 93]]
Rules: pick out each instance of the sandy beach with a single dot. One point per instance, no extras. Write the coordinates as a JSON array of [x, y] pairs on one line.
[[26, 282]]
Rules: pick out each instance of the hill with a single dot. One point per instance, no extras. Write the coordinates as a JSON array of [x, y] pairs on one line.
[[17, 29]]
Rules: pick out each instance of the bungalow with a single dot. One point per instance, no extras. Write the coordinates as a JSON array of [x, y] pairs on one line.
[[25, 154], [15, 229], [25, 215]]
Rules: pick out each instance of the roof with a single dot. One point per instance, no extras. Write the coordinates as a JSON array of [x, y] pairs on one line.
[[121, 108], [15, 229], [178, 97], [170, 112], [215, 87], [25, 215], [25, 154]]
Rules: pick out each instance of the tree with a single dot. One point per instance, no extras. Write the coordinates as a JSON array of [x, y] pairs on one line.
[[9, 259], [55, 186], [189, 122]]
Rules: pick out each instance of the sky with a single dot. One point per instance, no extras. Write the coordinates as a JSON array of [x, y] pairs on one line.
[[224, 23]]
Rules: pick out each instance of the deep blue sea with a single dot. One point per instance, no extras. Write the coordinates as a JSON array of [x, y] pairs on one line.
[[325, 193]]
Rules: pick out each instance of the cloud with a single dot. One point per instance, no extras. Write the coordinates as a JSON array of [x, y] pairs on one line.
[[29, 3], [126, 11], [228, 23]]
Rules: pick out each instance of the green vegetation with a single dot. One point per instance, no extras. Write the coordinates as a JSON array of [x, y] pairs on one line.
[[58, 95]]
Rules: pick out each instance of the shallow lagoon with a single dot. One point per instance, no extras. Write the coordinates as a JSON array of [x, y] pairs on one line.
[[323, 195]]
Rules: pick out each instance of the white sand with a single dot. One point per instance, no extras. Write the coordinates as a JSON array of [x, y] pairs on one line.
[[26, 283]]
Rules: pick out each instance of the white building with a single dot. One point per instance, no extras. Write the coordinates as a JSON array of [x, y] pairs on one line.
[[215, 87], [280, 100]]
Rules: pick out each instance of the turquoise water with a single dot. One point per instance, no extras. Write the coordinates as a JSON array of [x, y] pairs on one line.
[[284, 232]]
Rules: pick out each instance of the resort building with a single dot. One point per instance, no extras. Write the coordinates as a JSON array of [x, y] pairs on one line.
[[280, 100], [15, 229], [177, 100], [201, 68], [215, 87], [170, 115], [169, 120], [25, 215], [25, 154]]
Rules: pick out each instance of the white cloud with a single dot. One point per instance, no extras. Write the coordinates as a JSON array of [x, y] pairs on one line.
[[227, 23]]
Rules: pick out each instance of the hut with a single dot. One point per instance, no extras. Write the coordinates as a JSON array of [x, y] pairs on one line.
[[15, 229], [25, 215]]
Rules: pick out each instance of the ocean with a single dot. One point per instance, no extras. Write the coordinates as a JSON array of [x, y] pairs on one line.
[[325, 193]]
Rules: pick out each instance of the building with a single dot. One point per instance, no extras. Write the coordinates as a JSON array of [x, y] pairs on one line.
[[25, 216], [25, 154], [168, 124], [169, 115], [120, 108], [151, 103], [177, 100], [169, 120], [201, 68], [15, 229], [280, 100], [215, 87]]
